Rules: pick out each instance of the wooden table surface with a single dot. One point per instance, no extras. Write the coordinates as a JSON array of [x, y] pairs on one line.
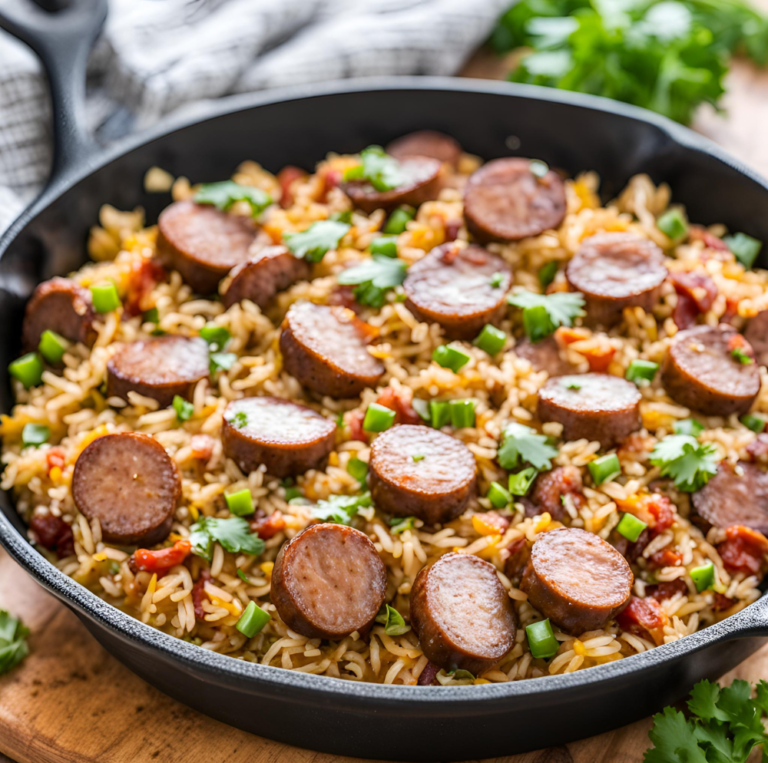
[[70, 702]]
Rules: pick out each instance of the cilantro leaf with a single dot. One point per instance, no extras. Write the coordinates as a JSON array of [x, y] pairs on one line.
[[13, 645], [380, 169], [374, 278], [224, 195], [689, 462], [313, 243], [674, 740], [234, 535], [520, 444], [703, 702], [341, 508], [392, 620], [543, 313]]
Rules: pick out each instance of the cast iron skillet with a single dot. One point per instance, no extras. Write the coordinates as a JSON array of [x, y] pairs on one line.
[[298, 127]]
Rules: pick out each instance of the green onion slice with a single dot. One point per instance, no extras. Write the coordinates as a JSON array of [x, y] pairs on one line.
[[541, 640], [605, 468], [253, 620], [631, 527], [378, 418], [28, 369], [105, 297], [498, 496], [450, 357], [491, 340], [52, 346], [240, 503], [703, 577]]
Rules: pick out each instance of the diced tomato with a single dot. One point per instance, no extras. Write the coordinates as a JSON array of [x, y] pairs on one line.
[[54, 534], [490, 523], [353, 420], [667, 590], [599, 358], [633, 446], [737, 342], [198, 591], [565, 335], [268, 527], [722, 602], [55, 458], [400, 401], [743, 550], [731, 309], [696, 293], [202, 446], [286, 178], [144, 276], [663, 512], [697, 233], [519, 553], [643, 617], [667, 557], [161, 560]]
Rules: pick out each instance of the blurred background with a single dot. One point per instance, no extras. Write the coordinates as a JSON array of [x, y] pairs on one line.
[[696, 61]]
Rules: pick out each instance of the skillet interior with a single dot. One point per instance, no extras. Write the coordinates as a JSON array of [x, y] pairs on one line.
[[569, 131]]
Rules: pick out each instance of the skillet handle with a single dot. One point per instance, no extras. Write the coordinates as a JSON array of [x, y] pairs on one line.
[[63, 41]]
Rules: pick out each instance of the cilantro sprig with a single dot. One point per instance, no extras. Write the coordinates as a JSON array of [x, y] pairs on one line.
[[341, 509], [543, 313], [313, 243], [521, 444], [224, 195], [234, 535], [689, 462], [374, 278], [13, 644], [380, 169]]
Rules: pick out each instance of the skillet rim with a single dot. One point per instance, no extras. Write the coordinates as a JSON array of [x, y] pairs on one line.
[[751, 621]]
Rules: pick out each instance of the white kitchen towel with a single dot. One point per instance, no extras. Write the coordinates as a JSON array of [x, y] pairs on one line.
[[158, 56]]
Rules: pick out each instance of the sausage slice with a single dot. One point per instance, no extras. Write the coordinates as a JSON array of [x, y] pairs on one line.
[[436, 486], [131, 485], [576, 579], [261, 277], [505, 201], [422, 181], [757, 335], [202, 243], [734, 496], [435, 145], [462, 289], [59, 305], [328, 582], [289, 438], [592, 406], [160, 368], [544, 356], [462, 614], [700, 371], [614, 271], [325, 349]]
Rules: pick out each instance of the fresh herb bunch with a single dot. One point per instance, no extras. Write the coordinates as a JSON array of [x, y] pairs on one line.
[[667, 56], [13, 643]]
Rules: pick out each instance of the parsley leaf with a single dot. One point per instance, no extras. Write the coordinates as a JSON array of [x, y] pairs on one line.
[[543, 313], [13, 645], [341, 508], [313, 243], [689, 462], [374, 278], [380, 169], [520, 444], [184, 409], [238, 420], [234, 534], [221, 360], [392, 620], [224, 195]]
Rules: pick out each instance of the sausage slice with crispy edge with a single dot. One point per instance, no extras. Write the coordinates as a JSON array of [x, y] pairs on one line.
[[328, 581], [461, 288], [416, 471], [614, 271], [591, 406], [325, 349], [160, 368], [576, 579], [287, 437], [705, 370], [435, 145], [462, 614], [131, 485], [505, 201]]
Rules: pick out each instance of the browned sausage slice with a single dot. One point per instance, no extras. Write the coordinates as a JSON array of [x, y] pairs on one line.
[[422, 181], [591, 406], [435, 145], [131, 485], [202, 243], [544, 356], [461, 288], [62, 306], [757, 335], [461, 613], [325, 349], [702, 373], [576, 579], [614, 271], [734, 496], [505, 201], [289, 438], [259, 279], [436, 486], [328, 582], [160, 368]]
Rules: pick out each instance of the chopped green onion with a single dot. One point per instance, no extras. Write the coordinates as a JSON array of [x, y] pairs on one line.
[[418, 457], [422, 408], [498, 496], [703, 577], [398, 219], [462, 413], [744, 248], [357, 468], [641, 372], [242, 576], [253, 620], [520, 483], [541, 640], [35, 434], [52, 346], [440, 413], [151, 316], [754, 422], [215, 335], [673, 224], [392, 620], [605, 468], [737, 353], [386, 245], [293, 492], [221, 360], [105, 297], [547, 273], [184, 409], [539, 169], [491, 339], [398, 525], [497, 279], [688, 426], [574, 385], [450, 357], [240, 503], [239, 420], [631, 527], [378, 418], [28, 369], [537, 323]]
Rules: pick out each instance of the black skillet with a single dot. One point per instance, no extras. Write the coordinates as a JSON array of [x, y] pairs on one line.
[[299, 127]]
